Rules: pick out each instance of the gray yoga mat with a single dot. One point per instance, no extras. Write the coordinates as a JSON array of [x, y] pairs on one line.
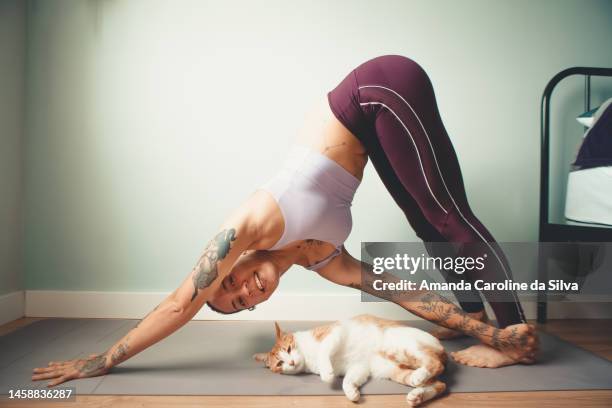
[[214, 358]]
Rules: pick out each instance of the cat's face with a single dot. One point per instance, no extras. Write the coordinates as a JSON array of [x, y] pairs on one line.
[[285, 357]]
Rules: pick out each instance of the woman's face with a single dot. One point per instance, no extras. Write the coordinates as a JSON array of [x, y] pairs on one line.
[[252, 280]]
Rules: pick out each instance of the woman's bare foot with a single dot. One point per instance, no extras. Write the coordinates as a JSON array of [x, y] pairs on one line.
[[444, 333], [516, 344]]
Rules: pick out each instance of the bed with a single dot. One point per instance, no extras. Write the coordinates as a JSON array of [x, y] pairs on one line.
[[588, 206], [589, 186]]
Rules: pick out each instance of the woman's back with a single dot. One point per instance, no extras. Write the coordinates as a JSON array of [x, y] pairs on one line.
[[322, 132]]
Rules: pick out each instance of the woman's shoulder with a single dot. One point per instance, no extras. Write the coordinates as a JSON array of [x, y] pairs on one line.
[[261, 213]]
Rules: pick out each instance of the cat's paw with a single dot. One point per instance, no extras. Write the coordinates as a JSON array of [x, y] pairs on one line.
[[419, 377], [351, 392], [415, 396], [327, 376]]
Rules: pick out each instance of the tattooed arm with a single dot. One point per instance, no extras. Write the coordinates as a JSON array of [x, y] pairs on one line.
[[236, 235], [346, 270], [179, 307]]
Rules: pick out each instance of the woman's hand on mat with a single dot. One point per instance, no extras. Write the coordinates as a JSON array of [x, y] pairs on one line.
[[62, 371]]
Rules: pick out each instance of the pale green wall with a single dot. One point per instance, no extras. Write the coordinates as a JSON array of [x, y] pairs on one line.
[[12, 59], [148, 121]]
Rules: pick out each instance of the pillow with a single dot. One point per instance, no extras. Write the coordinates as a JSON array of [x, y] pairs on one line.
[[589, 118], [586, 119], [596, 147]]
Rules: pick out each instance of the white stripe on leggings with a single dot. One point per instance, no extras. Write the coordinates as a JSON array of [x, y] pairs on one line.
[[441, 177], [415, 148]]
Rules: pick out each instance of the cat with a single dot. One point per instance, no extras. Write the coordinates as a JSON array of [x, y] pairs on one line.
[[359, 348]]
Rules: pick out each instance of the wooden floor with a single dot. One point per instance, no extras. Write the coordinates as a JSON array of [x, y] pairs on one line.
[[593, 335]]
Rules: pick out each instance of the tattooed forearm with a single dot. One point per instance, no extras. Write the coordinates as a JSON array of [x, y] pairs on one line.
[[437, 309], [442, 311], [429, 306], [495, 339], [148, 314], [445, 313], [205, 271], [508, 338], [120, 353], [98, 365], [94, 366]]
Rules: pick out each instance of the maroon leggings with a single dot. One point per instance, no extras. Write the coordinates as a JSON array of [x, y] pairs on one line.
[[388, 103]]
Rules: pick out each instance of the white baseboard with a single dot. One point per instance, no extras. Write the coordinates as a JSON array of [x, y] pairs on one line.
[[12, 306], [135, 305]]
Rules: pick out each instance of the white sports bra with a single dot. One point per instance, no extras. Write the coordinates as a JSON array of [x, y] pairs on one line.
[[314, 194]]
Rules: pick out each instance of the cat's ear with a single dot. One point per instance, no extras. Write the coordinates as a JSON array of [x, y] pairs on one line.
[[261, 357], [279, 332]]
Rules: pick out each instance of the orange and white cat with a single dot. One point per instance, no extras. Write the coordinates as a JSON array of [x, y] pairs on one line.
[[359, 348]]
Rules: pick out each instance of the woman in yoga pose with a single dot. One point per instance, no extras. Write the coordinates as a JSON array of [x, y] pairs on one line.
[[384, 110]]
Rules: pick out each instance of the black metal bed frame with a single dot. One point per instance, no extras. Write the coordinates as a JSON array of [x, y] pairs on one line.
[[550, 232]]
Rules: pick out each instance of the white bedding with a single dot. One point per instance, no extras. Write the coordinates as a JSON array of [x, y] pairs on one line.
[[589, 195]]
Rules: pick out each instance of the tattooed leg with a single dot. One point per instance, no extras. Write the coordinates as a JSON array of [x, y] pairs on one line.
[[205, 271]]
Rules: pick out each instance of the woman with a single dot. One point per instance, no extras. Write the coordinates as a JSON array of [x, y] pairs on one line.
[[384, 109]]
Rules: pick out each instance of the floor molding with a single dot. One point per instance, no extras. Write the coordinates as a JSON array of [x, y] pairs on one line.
[[135, 305], [12, 306]]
